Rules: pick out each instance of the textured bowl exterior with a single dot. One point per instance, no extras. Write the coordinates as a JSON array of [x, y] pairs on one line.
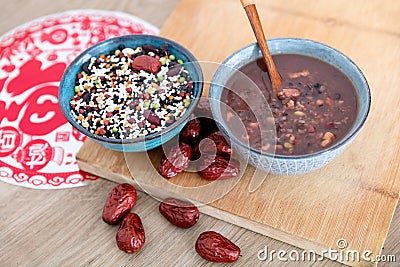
[[66, 91], [299, 164]]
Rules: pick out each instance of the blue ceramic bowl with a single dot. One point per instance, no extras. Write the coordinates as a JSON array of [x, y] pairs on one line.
[[66, 90], [282, 164]]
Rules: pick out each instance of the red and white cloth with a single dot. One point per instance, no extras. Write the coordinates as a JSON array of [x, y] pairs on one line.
[[37, 145]]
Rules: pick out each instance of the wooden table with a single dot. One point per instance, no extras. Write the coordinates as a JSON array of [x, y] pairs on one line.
[[63, 227]]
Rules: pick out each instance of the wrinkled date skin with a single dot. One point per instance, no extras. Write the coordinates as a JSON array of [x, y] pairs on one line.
[[167, 169], [215, 247], [218, 167], [146, 63], [130, 236], [175, 160], [180, 213], [214, 141], [119, 202], [190, 134]]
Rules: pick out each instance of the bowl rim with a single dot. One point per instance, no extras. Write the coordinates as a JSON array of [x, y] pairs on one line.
[[348, 137], [119, 39]]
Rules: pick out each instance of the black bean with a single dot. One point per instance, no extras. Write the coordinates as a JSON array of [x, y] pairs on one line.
[[121, 47], [85, 67], [138, 54], [150, 48], [86, 97], [182, 89], [164, 49], [317, 85]]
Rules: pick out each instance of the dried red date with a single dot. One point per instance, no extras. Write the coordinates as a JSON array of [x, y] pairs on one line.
[[175, 160], [146, 63], [130, 236], [215, 247], [166, 169], [191, 132], [214, 141], [218, 167], [180, 213], [119, 202]]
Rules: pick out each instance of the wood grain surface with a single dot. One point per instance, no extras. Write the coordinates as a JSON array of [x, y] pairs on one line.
[[63, 227], [354, 197]]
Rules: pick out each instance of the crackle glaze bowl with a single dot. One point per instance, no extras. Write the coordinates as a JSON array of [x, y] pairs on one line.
[[291, 164], [66, 91]]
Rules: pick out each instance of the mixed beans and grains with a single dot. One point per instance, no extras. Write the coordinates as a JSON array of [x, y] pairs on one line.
[[131, 92]]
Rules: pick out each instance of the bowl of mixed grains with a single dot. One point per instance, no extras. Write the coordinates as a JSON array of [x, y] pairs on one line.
[[131, 93]]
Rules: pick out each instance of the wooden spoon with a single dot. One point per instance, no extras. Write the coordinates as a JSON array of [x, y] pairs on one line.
[[251, 11]]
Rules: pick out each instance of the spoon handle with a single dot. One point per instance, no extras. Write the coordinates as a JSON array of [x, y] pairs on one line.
[[251, 11], [247, 2]]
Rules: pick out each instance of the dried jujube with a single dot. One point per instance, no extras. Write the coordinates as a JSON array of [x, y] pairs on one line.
[[175, 160], [180, 213], [214, 247], [218, 167], [130, 236], [120, 201]]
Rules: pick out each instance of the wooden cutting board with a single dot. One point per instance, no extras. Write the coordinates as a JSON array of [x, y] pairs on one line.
[[352, 198]]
